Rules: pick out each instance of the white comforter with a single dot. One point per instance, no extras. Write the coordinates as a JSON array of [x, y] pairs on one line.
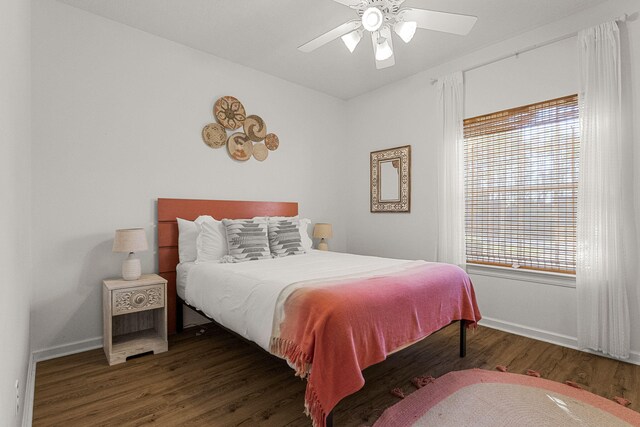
[[242, 297]]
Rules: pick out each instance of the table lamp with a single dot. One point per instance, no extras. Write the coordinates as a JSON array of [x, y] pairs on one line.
[[130, 241], [322, 231]]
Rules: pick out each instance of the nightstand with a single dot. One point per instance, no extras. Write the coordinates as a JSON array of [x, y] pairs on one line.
[[135, 317]]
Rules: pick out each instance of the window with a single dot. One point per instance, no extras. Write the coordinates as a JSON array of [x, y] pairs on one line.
[[521, 183]]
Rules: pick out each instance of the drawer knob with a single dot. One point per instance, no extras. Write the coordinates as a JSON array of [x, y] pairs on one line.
[[138, 300]]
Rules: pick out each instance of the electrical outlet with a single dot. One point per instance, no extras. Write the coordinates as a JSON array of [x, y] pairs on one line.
[[17, 396]]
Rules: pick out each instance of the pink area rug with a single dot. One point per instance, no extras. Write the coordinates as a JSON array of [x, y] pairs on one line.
[[482, 398]]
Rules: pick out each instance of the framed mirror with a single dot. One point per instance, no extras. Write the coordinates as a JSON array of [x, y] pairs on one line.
[[391, 180]]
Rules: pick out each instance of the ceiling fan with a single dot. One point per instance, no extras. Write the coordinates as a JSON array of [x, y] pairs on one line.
[[379, 17]]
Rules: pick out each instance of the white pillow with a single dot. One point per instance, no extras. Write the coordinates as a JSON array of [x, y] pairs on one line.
[[187, 237], [212, 240], [307, 243]]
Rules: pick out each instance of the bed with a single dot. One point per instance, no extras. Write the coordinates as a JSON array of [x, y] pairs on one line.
[[335, 313]]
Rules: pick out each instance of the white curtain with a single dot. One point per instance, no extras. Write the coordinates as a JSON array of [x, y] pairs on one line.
[[451, 244], [603, 312]]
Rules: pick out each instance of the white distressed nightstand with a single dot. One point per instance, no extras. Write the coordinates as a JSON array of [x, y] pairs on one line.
[[135, 317]]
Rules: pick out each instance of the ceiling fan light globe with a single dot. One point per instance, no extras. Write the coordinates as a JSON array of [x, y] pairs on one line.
[[352, 39], [372, 19], [406, 30], [383, 50]]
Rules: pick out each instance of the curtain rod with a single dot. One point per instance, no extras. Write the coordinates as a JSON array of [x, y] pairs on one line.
[[622, 18]]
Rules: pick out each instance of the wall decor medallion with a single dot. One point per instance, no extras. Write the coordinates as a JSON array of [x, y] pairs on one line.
[[391, 180], [255, 128], [229, 112], [231, 115], [272, 141], [214, 135], [260, 152], [240, 146]]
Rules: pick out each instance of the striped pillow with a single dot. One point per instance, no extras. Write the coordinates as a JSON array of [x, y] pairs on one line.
[[247, 239], [284, 237]]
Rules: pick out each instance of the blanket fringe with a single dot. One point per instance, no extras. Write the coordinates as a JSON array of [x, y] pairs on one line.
[[293, 354], [302, 364], [313, 409]]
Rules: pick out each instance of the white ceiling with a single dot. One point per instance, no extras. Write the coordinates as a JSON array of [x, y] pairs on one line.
[[265, 34]]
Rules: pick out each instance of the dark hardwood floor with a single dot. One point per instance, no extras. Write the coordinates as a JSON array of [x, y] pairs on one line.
[[217, 379]]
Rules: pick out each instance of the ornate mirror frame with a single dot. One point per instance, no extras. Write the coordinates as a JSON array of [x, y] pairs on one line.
[[403, 156]]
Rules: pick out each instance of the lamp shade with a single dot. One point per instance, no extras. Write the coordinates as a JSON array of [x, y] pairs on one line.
[[383, 50], [406, 30], [130, 240], [322, 231], [352, 39]]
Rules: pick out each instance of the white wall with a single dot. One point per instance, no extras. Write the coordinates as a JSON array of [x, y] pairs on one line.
[[117, 118], [15, 125], [405, 113], [395, 115]]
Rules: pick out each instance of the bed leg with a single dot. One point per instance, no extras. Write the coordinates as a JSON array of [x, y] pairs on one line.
[[179, 314], [329, 422], [463, 338]]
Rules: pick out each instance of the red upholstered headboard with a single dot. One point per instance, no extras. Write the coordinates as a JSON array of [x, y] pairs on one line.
[[170, 209]]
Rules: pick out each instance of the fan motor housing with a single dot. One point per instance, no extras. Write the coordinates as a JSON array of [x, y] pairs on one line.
[[388, 8]]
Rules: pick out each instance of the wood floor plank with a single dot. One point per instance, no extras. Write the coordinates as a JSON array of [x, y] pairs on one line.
[[216, 379]]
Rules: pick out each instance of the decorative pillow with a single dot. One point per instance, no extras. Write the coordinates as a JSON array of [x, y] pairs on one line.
[[307, 243], [212, 240], [188, 232], [284, 237], [247, 239]]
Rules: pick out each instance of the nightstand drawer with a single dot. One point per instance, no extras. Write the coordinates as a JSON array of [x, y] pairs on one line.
[[137, 299]]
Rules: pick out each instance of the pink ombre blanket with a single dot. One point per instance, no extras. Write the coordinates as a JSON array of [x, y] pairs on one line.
[[330, 332]]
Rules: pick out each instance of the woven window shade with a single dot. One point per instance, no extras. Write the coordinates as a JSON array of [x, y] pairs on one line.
[[521, 183]]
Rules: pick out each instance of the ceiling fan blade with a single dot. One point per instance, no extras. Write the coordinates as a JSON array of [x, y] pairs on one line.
[[440, 21], [350, 3], [389, 62], [339, 31]]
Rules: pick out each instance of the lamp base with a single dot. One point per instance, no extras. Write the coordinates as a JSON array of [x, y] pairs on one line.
[[131, 269], [323, 246]]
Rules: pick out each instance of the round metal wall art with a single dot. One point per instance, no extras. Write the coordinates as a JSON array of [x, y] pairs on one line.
[[240, 146], [255, 128], [260, 152], [214, 135], [272, 141], [229, 112]]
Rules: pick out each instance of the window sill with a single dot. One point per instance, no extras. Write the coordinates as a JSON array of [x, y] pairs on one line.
[[543, 277]]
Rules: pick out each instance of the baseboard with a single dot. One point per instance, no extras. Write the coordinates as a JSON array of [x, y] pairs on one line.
[[529, 332], [29, 389], [46, 354], [547, 336], [67, 349]]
